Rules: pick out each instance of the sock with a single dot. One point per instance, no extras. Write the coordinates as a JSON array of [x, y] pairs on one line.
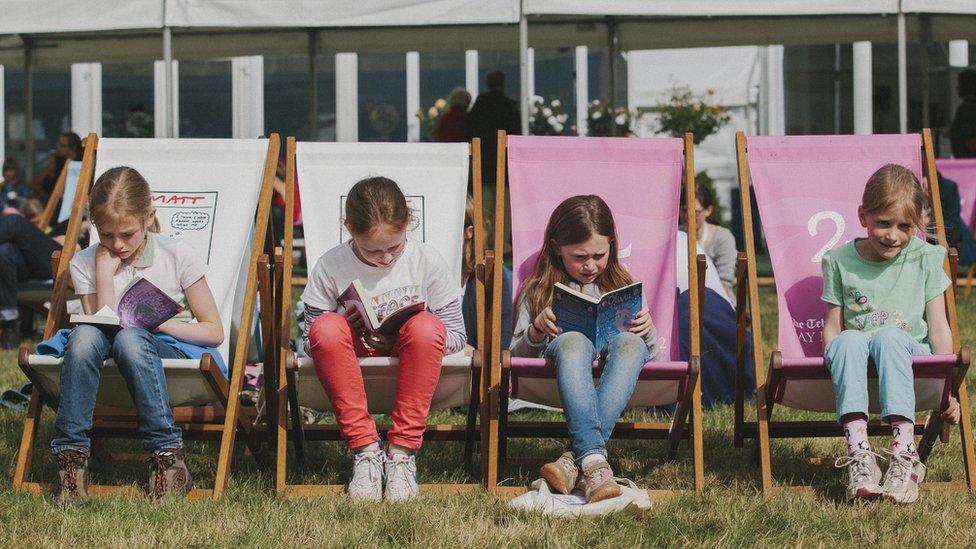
[[368, 449], [397, 451], [903, 435], [591, 458], [856, 431]]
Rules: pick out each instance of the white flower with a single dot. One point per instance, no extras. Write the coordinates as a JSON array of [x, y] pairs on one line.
[[552, 120], [440, 103], [562, 117], [432, 112], [595, 102], [547, 111], [558, 127], [537, 99], [621, 119], [556, 103], [597, 115], [12, 195], [535, 110]]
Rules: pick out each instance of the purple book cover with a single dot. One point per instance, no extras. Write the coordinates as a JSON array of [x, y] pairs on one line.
[[143, 305]]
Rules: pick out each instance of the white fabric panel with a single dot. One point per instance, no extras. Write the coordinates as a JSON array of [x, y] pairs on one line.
[[646, 393], [959, 53], [184, 382], [709, 7], [221, 180], [471, 72], [939, 6], [159, 98], [863, 89], [380, 376], [818, 395], [31, 16], [86, 98], [652, 73], [413, 96], [347, 97], [330, 13], [773, 92], [247, 89], [582, 64], [433, 177]]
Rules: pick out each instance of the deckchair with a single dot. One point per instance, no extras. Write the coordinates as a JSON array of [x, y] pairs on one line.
[[808, 189], [434, 178], [963, 172], [215, 195], [641, 181]]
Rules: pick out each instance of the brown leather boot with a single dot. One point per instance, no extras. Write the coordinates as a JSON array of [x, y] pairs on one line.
[[73, 478], [168, 474]]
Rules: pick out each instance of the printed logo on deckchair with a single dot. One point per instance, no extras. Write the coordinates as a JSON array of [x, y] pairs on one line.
[[187, 216]]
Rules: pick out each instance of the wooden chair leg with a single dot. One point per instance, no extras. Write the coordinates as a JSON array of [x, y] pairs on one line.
[[25, 455], [685, 407], [969, 280], [966, 438], [471, 428], [298, 435], [697, 440], [931, 434], [503, 418]]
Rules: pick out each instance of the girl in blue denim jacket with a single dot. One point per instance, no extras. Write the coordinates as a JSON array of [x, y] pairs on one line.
[[580, 251]]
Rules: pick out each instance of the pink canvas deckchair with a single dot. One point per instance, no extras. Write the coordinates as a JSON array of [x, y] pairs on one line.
[[641, 180], [808, 189], [963, 172]]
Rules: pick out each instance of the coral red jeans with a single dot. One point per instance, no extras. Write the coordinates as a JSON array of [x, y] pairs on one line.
[[420, 346]]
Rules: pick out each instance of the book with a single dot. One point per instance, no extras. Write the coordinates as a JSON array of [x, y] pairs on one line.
[[142, 305], [599, 319], [387, 312]]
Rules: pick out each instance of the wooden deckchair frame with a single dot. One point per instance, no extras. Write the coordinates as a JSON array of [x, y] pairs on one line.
[[687, 420], [748, 318], [285, 399], [214, 422]]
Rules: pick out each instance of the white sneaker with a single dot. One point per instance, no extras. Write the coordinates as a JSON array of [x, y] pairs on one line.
[[863, 474], [401, 478], [367, 476], [903, 477]]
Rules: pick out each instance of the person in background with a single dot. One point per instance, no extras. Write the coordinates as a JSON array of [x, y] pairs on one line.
[[468, 282], [451, 128], [13, 192], [68, 148], [717, 241], [962, 132]]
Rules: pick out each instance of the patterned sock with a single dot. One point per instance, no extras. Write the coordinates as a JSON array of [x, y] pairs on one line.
[[856, 431], [903, 436], [591, 458]]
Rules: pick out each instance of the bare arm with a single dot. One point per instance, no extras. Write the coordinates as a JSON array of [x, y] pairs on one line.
[[106, 264], [833, 323], [208, 329], [940, 337]]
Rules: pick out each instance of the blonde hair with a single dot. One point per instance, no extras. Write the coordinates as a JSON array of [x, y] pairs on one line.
[[121, 193], [894, 186], [574, 220], [374, 201]]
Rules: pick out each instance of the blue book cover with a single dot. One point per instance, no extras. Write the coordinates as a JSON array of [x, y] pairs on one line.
[[599, 319]]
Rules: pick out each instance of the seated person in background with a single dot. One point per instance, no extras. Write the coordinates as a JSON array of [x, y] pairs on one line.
[[451, 128], [468, 282], [25, 254], [958, 233], [13, 192], [717, 241]]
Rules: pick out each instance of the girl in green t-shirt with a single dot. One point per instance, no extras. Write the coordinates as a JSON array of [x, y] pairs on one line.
[[885, 300]]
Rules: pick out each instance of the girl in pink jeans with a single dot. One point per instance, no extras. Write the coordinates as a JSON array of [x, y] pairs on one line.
[[389, 266]]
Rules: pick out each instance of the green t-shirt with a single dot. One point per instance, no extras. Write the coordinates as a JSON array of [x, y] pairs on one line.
[[876, 294]]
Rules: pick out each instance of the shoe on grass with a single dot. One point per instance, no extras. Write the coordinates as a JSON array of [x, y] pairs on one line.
[[863, 474], [600, 485], [401, 478], [367, 476], [73, 478], [168, 475], [904, 475], [562, 474]]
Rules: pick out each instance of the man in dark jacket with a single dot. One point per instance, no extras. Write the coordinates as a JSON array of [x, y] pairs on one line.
[[962, 132], [492, 111]]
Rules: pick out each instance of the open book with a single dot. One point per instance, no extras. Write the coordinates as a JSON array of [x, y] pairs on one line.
[[142, 305], [387, 312], [599, 319]]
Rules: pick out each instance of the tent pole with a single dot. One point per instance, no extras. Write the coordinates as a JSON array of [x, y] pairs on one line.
[[28, 106], [313, 85], [524, 73], [925, 37], [168, 61], [902, 75], [612, 68]]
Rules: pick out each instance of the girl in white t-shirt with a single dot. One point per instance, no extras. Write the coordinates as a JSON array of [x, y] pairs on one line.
[[121, 211], [386, 263]]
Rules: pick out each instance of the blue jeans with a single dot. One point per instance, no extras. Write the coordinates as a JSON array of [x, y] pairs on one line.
[[891, 349], [592, 411], [138, 355]]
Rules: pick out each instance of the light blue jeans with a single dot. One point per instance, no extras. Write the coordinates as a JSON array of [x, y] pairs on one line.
[[593, 410], [891, 349], [139, 355]]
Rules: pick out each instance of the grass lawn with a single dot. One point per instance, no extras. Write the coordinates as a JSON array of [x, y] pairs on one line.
[[730, 512]]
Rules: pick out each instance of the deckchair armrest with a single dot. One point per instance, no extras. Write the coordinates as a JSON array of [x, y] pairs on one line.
[[953, 263], [741, 279], [963, 359]]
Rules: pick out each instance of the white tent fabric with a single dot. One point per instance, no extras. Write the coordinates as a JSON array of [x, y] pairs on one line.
[[33, 17], [670, 8], [938, 6]]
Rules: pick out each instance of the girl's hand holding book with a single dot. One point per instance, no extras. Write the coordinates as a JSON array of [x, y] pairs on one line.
[[355, 319], [380, 342], [544, 326], [641, 323]]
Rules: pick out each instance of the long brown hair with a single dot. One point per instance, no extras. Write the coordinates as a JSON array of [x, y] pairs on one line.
[[120, 193], [574, 220], [894, 186], [374, 201]]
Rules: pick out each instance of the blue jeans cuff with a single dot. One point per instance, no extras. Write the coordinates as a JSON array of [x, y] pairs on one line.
[[60, 449]]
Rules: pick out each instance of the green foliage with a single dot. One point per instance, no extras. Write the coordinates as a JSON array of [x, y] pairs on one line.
[[685, 111], [431, 118], [602, 121]]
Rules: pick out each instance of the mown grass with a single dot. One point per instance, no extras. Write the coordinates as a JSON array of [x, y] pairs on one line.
[[731, 512]]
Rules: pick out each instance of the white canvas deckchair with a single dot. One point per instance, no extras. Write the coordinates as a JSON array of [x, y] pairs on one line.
[[215, 195], [434, 179]]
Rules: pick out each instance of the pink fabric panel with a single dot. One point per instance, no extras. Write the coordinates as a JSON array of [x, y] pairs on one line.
[[640, 179], [963, 172], [808, 189]]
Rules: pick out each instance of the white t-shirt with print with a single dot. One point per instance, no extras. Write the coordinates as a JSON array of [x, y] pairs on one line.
[[420, 264], [166, 262]]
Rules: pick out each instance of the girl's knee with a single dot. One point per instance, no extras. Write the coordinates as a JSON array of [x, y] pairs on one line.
[[888, 337], [329, 328], [133, 341], [850, 339], [628, 342], [424, 328], [573, 344], [85, 337]]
